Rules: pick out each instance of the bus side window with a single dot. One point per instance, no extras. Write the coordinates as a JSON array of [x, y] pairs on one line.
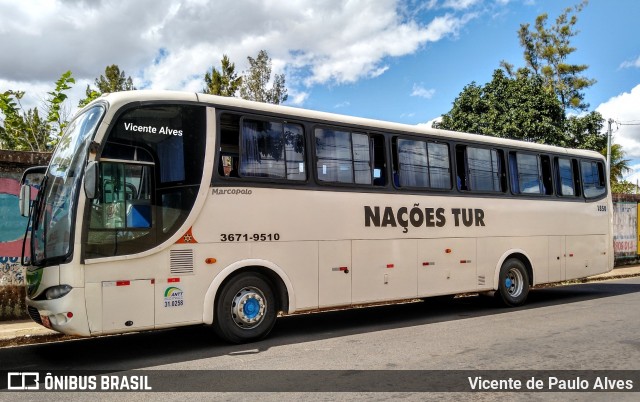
[[529, 175], [485, 169], [229, 144], [593, 179], [461, 168], [547, 175], [565, 181], [378, 160]]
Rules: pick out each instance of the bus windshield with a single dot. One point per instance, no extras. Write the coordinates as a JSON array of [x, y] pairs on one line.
[[54, 218]]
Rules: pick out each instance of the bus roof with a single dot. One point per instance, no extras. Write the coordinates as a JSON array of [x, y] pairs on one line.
[[122, 98]]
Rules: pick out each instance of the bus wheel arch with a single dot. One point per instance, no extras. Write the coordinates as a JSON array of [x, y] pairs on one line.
[[277, 279], [276, 283], [514, 278]]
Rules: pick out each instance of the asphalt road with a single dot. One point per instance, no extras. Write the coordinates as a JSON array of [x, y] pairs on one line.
[[593, 326]]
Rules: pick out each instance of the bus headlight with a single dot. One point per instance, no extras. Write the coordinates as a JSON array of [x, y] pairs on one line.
[[57, 292]]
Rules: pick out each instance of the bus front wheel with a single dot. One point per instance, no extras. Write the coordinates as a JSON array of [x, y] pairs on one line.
[[245, 310], [514, 283]]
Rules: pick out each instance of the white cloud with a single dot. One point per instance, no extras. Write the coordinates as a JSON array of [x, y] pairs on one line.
[[429, 124], [624, 110], [631, 63], [342, 104], [633, 176], [35, 94], [460, 4], [422, 92], [170, 44]]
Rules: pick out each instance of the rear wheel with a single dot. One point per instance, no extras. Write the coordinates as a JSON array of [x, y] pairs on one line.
[[245, 310], [513, 288]]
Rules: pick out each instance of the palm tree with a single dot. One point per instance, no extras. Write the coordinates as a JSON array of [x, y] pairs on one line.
[[619, 165]]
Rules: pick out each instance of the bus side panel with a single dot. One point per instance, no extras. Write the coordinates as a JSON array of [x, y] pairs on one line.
[[93, 292], [557, 259], [446, 266], [384, 270], [334, 273], [586, 255]]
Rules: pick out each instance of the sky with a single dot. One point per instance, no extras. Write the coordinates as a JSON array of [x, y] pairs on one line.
[[397, 60]]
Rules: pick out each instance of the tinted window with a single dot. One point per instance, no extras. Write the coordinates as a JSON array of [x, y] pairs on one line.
[[272, 149], [413, 163], [333, 149], [361, 158], [528, 174], [484, 166], [593, 179], [439, 170], [150, 173], [262, 150], [565, 177], [423, 164], [346, 157]]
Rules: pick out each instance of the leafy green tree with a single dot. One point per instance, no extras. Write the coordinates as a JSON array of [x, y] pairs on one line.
[[546, 50], [224, 82], [531, 103], [54, 104], [516, 107], [113, 80], [26, 130], [255, 81], [585, 132]]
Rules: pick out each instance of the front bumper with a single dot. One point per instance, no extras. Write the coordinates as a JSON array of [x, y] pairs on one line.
[[67, 314]]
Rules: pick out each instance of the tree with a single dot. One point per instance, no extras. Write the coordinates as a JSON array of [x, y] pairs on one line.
[[619, 165], [54, 104], [224, 82], [255, 81], [585, 132], [113, 80], [26, 130], [546, 50], [520, 105], [509, 107]]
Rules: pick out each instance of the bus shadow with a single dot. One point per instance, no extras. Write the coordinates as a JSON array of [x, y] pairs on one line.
[[162, 347]]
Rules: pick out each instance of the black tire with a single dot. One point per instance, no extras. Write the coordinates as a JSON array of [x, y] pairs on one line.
[[513, 287], [246, 309]]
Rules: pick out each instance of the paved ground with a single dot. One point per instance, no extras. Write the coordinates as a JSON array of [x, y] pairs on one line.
[[13, 333]]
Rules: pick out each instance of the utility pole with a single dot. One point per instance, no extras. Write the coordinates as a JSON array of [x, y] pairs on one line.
[[610, 121]]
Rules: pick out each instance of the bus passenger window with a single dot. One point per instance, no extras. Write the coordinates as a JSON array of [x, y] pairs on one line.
[[526, 174], [547, 176], [485, 169], [378, 161], [346, 157], [270, 149], [564, 177], [423, 164], [593, 179]]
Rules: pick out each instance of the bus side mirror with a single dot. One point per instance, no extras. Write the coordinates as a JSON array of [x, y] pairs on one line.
[[32, 177], [24, 199], [91, 180]]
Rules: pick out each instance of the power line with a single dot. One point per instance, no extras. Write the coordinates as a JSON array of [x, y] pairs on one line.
[[628, 123]]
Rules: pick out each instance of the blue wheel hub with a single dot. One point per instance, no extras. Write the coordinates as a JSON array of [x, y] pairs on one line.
[[248, 307], [508, 283], [251, 308]]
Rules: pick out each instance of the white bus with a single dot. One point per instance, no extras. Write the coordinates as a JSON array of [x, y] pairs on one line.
[[164, 209]]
